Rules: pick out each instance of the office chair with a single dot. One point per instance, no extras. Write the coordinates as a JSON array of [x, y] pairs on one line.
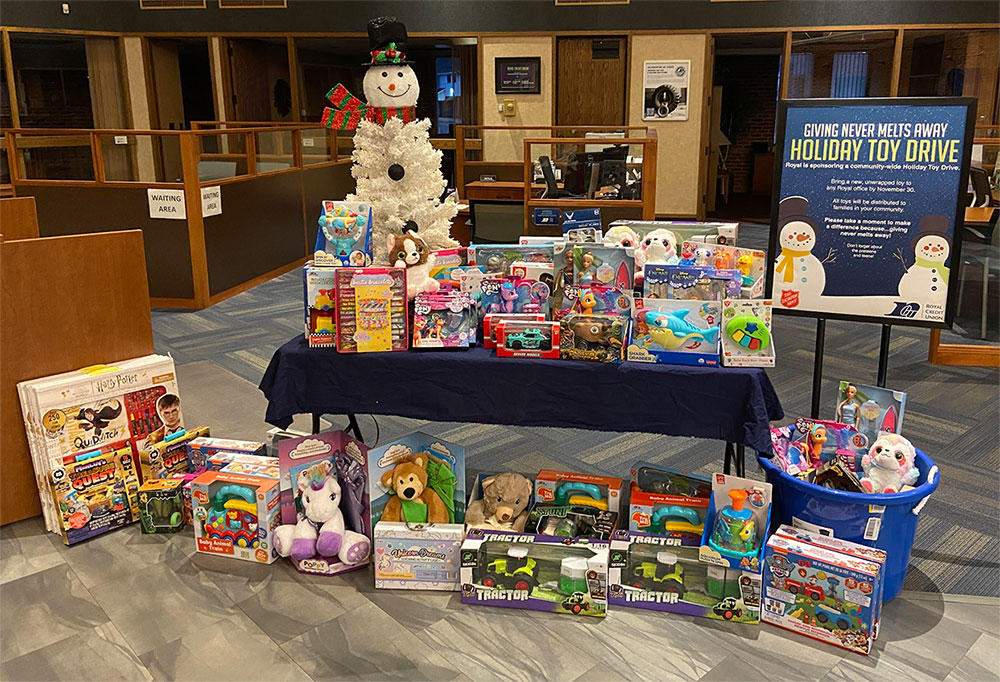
[[552, 190], [980, 187], [496, 221]]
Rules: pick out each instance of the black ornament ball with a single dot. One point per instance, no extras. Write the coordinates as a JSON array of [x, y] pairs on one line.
[[396, 172], [410, 226]]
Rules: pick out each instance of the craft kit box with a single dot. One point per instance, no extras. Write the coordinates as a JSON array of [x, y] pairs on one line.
[[235, 515], [565, 487], [309, 459], [663, 573], [320, 293], [371, 310], [132, 402], [211, 454], [161, 505], [675, 332], [536, 572], [418, 512], [169, 456], [827, 589]]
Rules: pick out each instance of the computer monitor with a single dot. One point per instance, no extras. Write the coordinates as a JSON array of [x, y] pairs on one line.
[[496, 221]]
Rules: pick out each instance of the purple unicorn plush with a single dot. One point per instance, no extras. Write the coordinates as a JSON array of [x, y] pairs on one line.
[[320, 528]]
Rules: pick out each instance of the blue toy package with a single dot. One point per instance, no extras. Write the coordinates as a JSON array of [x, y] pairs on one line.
[[605, 265], [689, 282], [546, 216], [824, 588], [497, 259], [344, 235], [514, 295], [739, 519], [675, 332], [582, 225]]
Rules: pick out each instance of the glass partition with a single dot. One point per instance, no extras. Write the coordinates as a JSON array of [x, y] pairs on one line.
[[841, 64]]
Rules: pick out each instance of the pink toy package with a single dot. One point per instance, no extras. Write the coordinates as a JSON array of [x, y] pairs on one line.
[[445, 319], [371, 310], [590, 300], [515, 295]]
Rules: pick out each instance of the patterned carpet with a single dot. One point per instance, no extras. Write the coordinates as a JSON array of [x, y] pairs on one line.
[[951, 413]]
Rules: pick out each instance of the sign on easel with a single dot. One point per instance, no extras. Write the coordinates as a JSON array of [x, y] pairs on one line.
[[869, 196]]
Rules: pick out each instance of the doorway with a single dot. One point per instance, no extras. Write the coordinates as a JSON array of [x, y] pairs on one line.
[[260, 80], [590, 87]]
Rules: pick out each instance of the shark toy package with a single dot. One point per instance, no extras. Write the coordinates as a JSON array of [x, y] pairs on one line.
[[675, 332]]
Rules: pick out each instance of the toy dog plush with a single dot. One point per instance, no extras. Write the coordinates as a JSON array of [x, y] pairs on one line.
[[889, 465], [409, 251], [409, 481], [503, 505]]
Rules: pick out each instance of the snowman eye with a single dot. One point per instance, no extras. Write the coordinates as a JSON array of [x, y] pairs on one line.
[[384, 74], [400, 74]]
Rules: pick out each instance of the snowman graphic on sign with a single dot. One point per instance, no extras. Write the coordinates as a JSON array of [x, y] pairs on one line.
[[799, 276], [397, 170], [926, 281]]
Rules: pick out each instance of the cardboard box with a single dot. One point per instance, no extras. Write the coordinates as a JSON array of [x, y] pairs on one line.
[[565, 487], [319, 290], [417, 559], [235, 515], [675, 332], [161, 505], [211, 454], [169, 456]]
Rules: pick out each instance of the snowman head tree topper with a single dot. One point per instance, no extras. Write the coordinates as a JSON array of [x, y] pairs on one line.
[[390, 80]]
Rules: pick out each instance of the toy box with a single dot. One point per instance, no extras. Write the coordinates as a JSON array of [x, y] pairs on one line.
[[738, 522], [675, 332], [748, 262], [95, 492], [327, 461], [663, 573], [169, 456], [564, 487], [444, 465], [161, 505], [497, 259], [690, 283], [235, 515], [134, 402], [211, 454], [445, 319], [746, 333], [344, 235], [582, 225], [528, 339], [540, 272], [186, 481], [446, 262], [606, 265], [275, 435], [592, 337], [652, 478], [667, 502], [424, 559], [319, 291], [546, 216], [371, 310], [537, 572], [871, 410], [571, 521], [492, 322], [514, 295], [807, 444], [252, 465], [812, 588], [596, 299]]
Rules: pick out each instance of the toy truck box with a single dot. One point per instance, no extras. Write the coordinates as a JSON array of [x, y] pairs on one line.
[[235, 515], [169, 456], [663, 573], [739, 520], [161, 505], [830, 596], [411, 552], [536, 572], [564, 487], [211, 454]]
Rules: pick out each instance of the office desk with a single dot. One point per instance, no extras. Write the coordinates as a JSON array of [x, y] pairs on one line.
[[979, 215], [511, 191]]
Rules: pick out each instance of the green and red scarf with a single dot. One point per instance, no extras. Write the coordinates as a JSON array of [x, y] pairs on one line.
[[348, 111]]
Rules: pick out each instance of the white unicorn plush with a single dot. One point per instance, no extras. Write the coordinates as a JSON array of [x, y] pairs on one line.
[[320, 528]]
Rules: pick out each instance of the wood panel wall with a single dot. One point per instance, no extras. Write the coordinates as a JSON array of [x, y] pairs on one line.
[[18, 218]]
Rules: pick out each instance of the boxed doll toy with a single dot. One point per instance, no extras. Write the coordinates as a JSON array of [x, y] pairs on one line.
[[824, 588], [445, 319], [497, 259], [235, 515], [169, 456], [605, 265], [528, 339], [675, 332], [537, 572], [592, 337], [211, 454], [128, 405], [514, 295], [319, 287], [739, 518], [161, 505], [746, 333], [663, 573], [596, 299], [688, 283], [418, 511], [564, 487], [344, 235], [325, 514], [371, 310]]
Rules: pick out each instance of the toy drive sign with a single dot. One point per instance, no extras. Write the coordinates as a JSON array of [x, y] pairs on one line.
[[166, 204]]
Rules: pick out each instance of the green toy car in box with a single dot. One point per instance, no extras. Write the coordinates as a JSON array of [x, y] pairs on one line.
[[529, 338], [517, 571], [665, 575]]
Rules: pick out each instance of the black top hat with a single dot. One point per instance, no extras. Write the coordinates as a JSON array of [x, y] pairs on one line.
[[387, 42], [794, 208], [936, 225]]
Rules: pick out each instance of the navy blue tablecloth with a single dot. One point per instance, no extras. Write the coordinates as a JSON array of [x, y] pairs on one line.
[[725, 403]]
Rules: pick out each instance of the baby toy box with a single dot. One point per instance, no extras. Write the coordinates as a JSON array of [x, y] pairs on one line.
[[320, 291], [537, 572], [667, 502], [746, 333], [95, 410], [827, 589], [344, 234], [315, 471], [675, 332], [564, 487], [739, 520], [235, 515], [161, 505], [169, 456], [418, 512], [211, 454], [663, 573]]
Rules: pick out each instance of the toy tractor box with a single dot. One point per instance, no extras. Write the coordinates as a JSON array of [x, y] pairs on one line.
[[169, 456], [664, 573], [832, 596], [567, 488], [161, 505], [418, 512], [235, 515], [536, 572], [738, 522]]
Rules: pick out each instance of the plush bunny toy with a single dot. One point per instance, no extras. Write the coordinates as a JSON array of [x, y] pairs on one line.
[[320, 529], [889, 465]]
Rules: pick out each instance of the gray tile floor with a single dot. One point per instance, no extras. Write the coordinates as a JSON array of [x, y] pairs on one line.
[[136, 607]]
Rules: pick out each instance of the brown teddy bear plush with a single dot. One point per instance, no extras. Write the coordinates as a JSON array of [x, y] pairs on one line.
[[409, 479], [504, 503]]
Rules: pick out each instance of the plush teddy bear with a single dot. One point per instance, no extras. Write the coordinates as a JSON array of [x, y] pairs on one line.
[[320, 529], [504, 503], [889, 465], [409, 251], [409, 481]]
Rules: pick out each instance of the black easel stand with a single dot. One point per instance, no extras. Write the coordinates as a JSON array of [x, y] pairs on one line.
[[883, 362]]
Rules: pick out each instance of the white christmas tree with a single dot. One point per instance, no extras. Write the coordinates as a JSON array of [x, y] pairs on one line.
[[398, 172]]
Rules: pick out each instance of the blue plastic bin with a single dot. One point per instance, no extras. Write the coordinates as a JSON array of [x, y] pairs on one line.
[[847, 514]]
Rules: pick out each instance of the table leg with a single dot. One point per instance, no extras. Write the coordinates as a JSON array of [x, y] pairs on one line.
[[727, 464], [741, 462], [352, 425], [315, 417]]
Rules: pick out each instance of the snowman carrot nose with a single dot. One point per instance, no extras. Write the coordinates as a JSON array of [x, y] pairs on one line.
[[802, 237], [392, 86]]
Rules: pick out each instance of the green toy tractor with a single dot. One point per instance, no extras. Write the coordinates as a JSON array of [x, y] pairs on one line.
[[515, 572], [665, 575]]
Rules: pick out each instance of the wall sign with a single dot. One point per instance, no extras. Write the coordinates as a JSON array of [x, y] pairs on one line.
[[166, 204], [517, 75], [211, 201], [665, 87], [863, 225]]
